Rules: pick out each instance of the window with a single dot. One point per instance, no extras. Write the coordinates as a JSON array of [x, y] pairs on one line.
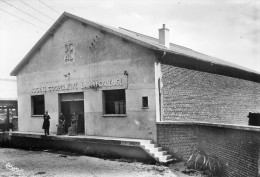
[[38, 105], [145, 102], [114, 101]]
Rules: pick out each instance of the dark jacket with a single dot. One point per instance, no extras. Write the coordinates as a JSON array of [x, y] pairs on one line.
[[46, 122], [62, 120], [74, 120]]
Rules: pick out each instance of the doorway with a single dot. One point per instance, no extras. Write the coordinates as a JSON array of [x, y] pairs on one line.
[[70, 103]]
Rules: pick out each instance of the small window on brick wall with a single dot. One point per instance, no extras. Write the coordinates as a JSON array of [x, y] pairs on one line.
[[38, 105], [114, 102], [145, 102]]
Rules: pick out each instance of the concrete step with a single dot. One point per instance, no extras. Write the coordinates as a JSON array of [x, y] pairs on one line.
[[166, 157], [150, 146], [160, 153], [165, 161], [155, 150], [146, 142], [163, 157]]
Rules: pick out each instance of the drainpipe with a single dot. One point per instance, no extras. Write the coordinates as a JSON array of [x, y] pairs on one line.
[[160, 93], [159, 85]]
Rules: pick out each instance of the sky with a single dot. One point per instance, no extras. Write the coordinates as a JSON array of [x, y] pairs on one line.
[[229, 30]]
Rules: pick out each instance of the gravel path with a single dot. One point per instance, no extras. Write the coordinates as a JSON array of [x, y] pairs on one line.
[[16, 162]]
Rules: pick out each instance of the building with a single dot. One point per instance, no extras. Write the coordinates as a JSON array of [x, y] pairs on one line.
[[8, 101], [116, 77], [126, 84]]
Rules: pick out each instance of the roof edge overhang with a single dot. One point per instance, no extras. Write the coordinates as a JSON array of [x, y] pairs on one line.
[[189, 59], [197, 64], [47, 34]]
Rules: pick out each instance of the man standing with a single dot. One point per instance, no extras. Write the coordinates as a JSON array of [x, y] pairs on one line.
[[74, 121], [46, 123], [61, 120], [61, 125]]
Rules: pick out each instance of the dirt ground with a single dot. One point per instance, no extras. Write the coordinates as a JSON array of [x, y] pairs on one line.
[[27, 163], [16, 162]]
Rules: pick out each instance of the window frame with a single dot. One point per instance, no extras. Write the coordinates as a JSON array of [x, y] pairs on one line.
[[105, 112], [33, 104], [143, 101]]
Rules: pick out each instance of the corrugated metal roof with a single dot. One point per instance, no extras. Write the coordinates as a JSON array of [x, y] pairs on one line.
[[187, 51], [138, 38]]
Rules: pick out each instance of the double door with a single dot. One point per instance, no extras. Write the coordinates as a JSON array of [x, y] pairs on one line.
[[71, 103]]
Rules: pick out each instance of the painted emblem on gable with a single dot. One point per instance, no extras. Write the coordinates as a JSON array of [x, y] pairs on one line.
[[69, 52]]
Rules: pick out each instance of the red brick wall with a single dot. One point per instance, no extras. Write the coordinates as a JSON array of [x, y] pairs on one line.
[[189, 95], [177, 140], [238, 150]]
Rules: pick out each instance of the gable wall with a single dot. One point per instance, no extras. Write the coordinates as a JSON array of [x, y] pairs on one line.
[[108, 56]]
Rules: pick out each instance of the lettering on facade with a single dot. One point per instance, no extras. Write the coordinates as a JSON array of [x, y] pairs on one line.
[[69, 52], [80, 85]]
